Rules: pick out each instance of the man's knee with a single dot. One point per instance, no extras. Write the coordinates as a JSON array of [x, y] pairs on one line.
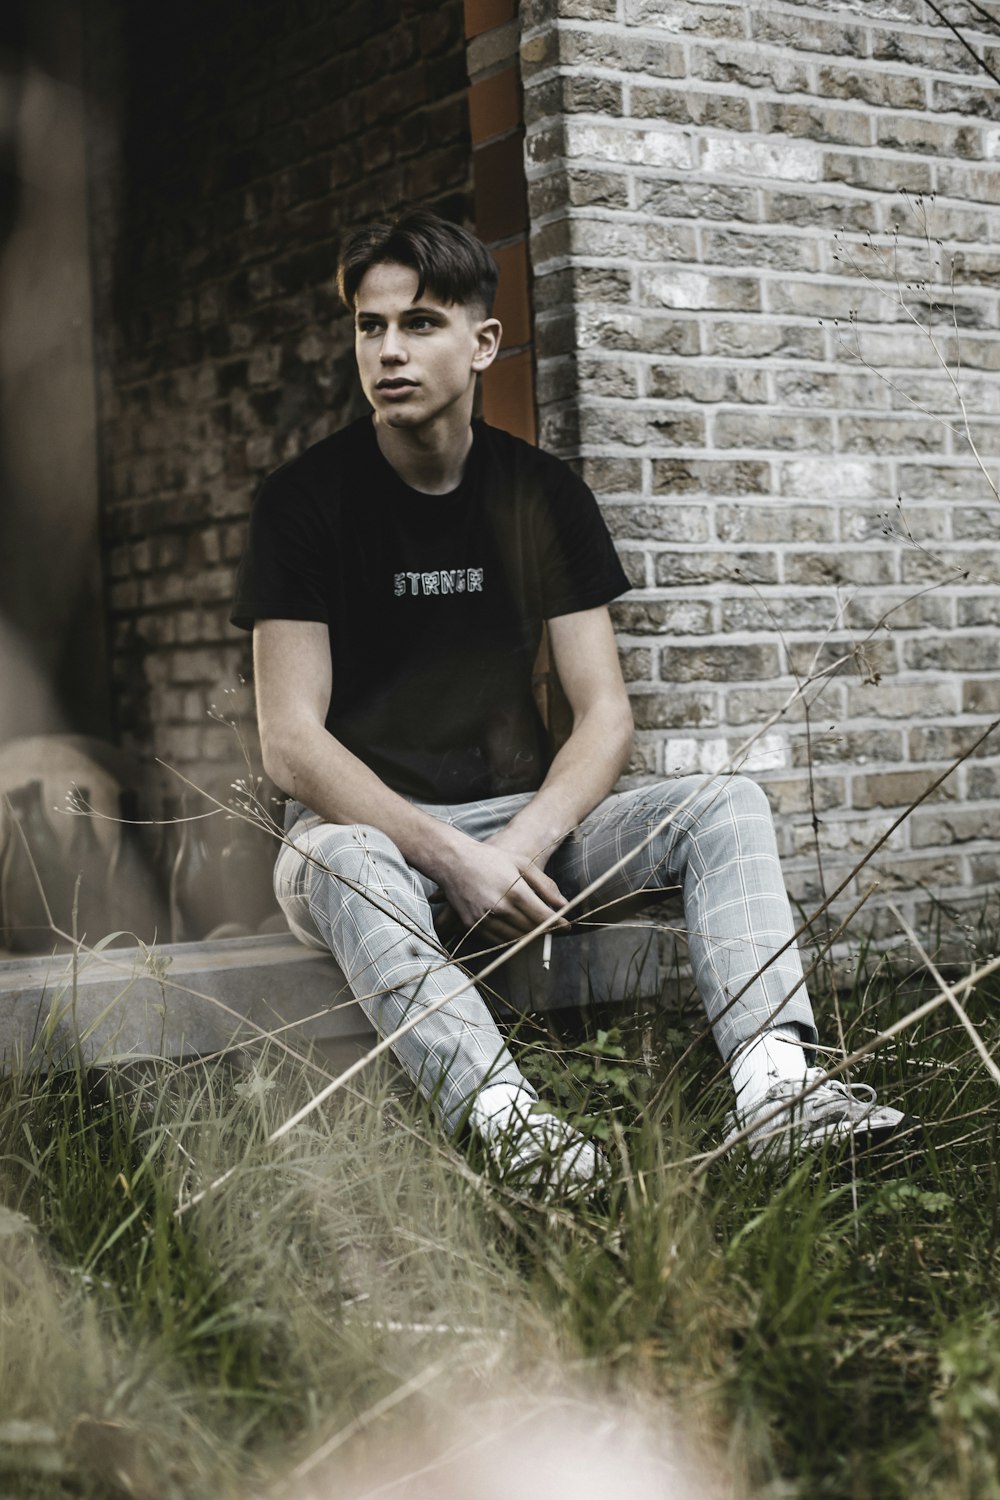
[[746, 797], [350, 851], [722, 801]]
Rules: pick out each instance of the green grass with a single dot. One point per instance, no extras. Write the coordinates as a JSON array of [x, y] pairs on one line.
[[359, 1291]]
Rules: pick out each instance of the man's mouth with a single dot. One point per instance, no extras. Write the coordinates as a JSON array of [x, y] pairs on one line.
[[395, 384]]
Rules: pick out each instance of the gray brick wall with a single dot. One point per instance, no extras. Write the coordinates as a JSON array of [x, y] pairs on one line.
[[728, 198], [231, 145]]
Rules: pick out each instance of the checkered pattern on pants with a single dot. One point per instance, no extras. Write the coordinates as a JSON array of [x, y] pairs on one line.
[[347, 888]]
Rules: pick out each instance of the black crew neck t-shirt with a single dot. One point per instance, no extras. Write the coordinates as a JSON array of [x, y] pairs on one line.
[[434, 603]]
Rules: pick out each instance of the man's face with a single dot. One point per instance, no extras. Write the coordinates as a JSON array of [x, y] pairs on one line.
[[417, 360]]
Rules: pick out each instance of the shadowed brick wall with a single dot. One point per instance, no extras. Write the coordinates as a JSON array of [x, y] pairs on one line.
[[231, 144], [728, 202]]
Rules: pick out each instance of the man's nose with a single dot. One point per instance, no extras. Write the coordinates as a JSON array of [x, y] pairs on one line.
[[392, 350]]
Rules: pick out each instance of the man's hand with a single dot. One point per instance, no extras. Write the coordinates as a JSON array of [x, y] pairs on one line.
[[500, 891]]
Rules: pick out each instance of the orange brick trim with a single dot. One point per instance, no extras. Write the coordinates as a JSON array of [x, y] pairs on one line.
[[495, 105], [496, 124], [483, 15]]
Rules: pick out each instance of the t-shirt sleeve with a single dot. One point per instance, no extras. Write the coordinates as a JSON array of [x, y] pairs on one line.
[[278, 576], [579, 568]]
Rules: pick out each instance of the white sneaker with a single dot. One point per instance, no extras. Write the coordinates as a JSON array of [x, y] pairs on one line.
[[832, 1111], [541, 1151]]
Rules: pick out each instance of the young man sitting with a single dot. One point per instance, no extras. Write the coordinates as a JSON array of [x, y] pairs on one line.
[[397, 577]]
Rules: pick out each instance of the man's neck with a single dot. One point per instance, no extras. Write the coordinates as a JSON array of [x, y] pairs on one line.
[[432, 461]]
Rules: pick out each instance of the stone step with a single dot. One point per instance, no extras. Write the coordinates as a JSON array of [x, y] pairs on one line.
[[183, 999]]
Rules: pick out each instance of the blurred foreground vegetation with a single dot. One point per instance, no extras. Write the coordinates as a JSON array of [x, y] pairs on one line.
[[358, 1296]]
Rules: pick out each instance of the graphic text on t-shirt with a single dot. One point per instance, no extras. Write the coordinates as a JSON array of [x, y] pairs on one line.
[[440, 581]]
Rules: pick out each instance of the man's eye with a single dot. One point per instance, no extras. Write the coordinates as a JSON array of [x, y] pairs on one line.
[[422, 324], [367, 325]]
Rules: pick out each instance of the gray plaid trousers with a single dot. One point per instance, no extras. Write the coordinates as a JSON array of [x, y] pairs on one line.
[[348, 889]]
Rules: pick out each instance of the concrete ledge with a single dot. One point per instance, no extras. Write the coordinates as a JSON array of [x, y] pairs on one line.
[[195, 998]]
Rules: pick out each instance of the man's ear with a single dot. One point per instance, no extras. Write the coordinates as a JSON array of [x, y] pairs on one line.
[[488, 334]]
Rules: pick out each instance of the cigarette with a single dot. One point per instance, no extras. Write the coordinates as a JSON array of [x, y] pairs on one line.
[[546, 950]]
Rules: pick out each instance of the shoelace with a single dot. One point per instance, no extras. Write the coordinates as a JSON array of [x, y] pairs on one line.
[[845, 1096]]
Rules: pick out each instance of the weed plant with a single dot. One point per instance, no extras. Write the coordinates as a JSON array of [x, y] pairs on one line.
[[348, 1294]]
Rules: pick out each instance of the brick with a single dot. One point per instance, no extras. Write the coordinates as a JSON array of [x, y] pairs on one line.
[[675, 710], [961, 99], [813, 122], [901, 609], [638, 426], [931, 873], [981, 697], [628, 241], [835, 300], [911, 133], [757, 339], [637, 663], [789, 796], [611, 143], [955, 826], [494, 105], [848, 479], [779, 612], [491, 47], [598, 96], [636, 565], [612, 377], [644, 333], [675, 569], [729, 247], [897, 789], [659, 616], [678, 476], [608, 475], [752, 705], [948, 564], [746, 429], [701, 200], [625, 54], [945, 743], [682, 106], [870, 660], [903, 700], [916, 525], [762, 523], [980, 609], [820, 388], [925, 52], [845, 747], [808, 33], [714, 383], [696, 290], [785, 160], [896, 435], [880, 174], [753, 68], [718, 663], [982, 783], [955, 653], [844, 565], [875, 86], [686, 15], [815, 209], [659, 523]]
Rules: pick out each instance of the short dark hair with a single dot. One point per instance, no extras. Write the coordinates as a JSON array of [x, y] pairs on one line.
[[448, 260]]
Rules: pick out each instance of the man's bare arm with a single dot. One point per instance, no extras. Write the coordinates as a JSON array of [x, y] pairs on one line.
[[595, 754], [293, 676]]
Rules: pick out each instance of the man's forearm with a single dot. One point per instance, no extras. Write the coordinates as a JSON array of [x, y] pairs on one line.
[[478, 880], [582, 774], [315, 768]]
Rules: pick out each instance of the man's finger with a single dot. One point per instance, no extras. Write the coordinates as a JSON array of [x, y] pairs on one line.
[[523, 905], [543, 885]]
